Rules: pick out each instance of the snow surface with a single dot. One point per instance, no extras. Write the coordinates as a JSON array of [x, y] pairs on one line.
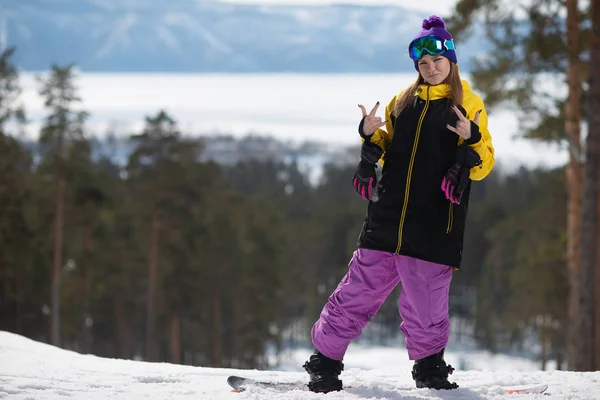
[[33, 370]]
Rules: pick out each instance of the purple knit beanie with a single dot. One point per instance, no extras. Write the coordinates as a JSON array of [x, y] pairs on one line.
[[436, 26]]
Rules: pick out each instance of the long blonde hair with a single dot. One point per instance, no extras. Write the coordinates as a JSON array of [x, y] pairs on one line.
[[408, 95]]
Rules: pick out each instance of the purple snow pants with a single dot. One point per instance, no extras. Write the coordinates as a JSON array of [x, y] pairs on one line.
[[371, 277]]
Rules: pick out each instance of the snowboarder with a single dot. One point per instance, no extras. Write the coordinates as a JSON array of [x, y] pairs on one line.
[[435, 142]]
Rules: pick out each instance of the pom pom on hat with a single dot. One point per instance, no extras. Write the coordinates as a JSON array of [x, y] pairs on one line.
[[434, 25], [433, 22]]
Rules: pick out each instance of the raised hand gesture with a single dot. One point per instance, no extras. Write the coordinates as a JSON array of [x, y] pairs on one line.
[[370, 122], [463, 125]]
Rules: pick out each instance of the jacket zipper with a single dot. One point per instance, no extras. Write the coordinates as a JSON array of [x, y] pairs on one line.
[[409, 176], [450, 218]]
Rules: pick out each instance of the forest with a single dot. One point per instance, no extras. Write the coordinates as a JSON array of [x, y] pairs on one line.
[[170, 257]]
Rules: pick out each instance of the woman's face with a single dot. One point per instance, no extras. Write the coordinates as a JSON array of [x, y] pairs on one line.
[[434, 69]]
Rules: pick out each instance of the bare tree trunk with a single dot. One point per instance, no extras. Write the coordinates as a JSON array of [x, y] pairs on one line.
[[124, 340], [544, 339], [8, 319], [86, 280], [57, 262], [590, 200], [216, 327], [235, 347], [16, 305], [558, 347], [597, 297], [594, 151], [574, 178], [175, 334], [151, 351]]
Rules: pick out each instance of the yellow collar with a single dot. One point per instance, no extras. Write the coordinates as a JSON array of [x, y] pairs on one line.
[[438, 91]]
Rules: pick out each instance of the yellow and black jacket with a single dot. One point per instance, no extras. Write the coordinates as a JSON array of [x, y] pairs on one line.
[[409, 213]]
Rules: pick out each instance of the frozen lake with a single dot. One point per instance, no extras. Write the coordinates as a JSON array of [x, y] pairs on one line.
[[294, 107]]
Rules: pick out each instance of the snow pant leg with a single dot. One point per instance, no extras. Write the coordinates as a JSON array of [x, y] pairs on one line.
[[371, 277], [423, 305]]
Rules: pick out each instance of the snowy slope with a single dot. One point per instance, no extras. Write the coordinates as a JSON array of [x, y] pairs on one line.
[[31, 370]]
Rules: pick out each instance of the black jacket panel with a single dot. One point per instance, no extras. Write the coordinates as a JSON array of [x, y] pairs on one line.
[[410, 214]]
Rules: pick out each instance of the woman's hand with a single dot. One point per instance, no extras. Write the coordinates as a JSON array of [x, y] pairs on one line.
[[370, 122], [463, 126]]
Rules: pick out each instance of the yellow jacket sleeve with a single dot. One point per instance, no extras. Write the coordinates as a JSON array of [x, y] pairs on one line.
[[484, 146]]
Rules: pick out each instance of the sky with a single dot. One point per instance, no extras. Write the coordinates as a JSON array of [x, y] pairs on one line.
[[34, 370], [442, 7]]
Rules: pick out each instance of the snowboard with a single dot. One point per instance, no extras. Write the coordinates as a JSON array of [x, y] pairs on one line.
[[240, 383], [527, 389]]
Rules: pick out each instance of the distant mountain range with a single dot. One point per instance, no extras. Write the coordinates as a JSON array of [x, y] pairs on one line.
[[210, 36]]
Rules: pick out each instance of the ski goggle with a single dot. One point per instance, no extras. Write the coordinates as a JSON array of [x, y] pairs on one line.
[[433, 45]]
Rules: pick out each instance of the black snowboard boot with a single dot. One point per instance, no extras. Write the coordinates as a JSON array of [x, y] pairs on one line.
[[324, 373], [432, 372]]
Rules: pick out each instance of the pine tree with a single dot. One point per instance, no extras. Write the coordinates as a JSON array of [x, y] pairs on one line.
[[525, 52], [573, 116], [589, 210], [156, 149], [10, 106], [62, 126], [87, 199], [15, 164]]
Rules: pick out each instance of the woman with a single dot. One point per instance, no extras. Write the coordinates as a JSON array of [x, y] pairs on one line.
[[434, 143]]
